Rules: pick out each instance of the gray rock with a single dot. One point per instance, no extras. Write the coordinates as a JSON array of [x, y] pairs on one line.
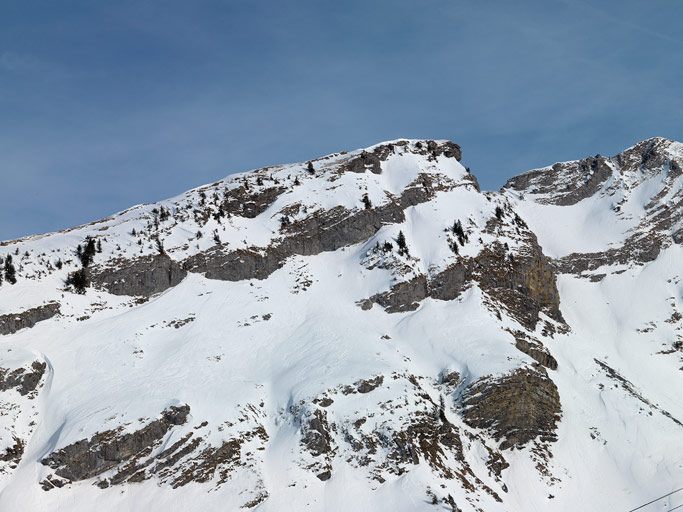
[[14, 322], [142, 276], [567, 183], [516, 409], [525, 286], [88, 458], [23, 380], [245, 203], [320, 232]]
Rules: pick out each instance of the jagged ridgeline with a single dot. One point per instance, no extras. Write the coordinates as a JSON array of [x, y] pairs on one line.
[[362, 331]]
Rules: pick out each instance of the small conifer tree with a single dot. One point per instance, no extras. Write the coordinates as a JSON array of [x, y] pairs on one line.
[[401, 243], [10, 271], [78, 280], [367, 202]]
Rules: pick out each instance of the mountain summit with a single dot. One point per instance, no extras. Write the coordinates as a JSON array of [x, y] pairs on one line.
[[364, 331]]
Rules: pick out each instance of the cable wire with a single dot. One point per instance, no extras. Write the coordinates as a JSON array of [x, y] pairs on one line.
[[657, 499]]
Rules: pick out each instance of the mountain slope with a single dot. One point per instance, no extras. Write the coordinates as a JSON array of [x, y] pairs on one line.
[[367, 330]]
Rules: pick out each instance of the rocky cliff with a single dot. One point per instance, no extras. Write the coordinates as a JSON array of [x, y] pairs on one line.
[[366, 330]]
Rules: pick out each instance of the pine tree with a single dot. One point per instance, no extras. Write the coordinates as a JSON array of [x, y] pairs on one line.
[[87, 254], [459, 232], [78, 280], [401, 242], [367, 202], [10, 271], [310, 168], [160, 246]]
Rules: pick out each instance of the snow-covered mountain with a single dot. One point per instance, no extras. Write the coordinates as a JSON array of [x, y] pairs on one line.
[[365, 331]]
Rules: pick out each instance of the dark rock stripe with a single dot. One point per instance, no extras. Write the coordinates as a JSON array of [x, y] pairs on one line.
[[14, 322]]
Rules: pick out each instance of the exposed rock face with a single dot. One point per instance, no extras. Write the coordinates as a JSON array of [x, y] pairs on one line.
[[366, 161], [615, 179], [389, 436], [315, 436], [404, 296], [14, 453], [442, 394], [534, 349], [371, 160], [323, 231], [90, 457], [210, 462], [567, 182], [142, 276], [407, 295], [24, 380], [365, 386], [244, 203], [517, 408], [115, 457], [14, 322], [638, 249], [526, 285]]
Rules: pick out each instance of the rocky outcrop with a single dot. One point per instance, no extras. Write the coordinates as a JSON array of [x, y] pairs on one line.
[[372, 160], [14, 322], [428, 437], [638, 249], [565, 183], [321, 231], [14, 453], [88, 458], [244, 202], [534, 349], [212, 462], [407, 295], [369, 161], [142, 276], [118, 456], [315, 437], [516, 409], [569, 182], [525, 285], [24, 380]]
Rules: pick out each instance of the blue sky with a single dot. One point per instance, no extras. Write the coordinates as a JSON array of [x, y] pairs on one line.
[[109, 104]]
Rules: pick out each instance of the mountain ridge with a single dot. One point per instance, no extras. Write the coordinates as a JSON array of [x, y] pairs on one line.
[[367, 321]]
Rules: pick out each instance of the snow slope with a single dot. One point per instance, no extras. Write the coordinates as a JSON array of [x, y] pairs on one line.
[[304, 361]]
